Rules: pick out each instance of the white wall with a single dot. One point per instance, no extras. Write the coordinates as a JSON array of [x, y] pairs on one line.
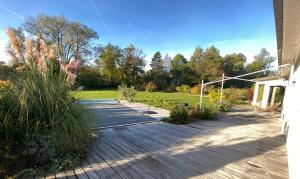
[[291, 112]]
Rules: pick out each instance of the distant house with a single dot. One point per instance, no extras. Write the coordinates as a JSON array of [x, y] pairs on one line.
[[287, 18]]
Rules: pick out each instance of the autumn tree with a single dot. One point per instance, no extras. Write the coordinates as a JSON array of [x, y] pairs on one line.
[[73, 40], [262, 61], [211, 65], [157, 74], [109, 62], [132, 65]]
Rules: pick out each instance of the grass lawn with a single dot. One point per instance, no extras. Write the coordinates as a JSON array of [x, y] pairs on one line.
[[159, 99]]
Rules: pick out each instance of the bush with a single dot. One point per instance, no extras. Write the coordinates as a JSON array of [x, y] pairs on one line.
[[183, 89], [206, 112], [39, 120], [209, 112], [127, 92], [195, 112], [214, 95], [4, 85], [235, 95], [89, 77], [170, 89], [196, 89], [225, 107], [150, 87], [179, 115]]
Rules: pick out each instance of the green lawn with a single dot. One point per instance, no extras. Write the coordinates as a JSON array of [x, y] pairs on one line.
[[159, 99]]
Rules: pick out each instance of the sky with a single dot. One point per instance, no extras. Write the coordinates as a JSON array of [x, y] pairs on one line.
[[177, 26]]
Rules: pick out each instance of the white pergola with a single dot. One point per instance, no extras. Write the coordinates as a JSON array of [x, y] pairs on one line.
[[270, 86], [269, 91]]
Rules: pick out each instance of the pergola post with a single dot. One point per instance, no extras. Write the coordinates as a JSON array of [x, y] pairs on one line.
[[201, 93], [222, 86], [274, 89], [255, 95], [266, 95]]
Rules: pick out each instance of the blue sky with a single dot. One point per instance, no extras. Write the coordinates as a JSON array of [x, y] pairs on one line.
[[172, 27]]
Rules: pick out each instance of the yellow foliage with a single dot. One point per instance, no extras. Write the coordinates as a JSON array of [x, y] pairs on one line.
[[4, 84]]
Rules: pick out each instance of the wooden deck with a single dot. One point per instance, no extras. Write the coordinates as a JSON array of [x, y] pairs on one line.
[[240, 145]]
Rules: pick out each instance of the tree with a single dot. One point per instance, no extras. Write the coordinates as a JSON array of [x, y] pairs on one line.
[[132, 65], [157, 73], [109, 62], [211, 65], [233, 65], [167, 63], [197, 57], [156, 63], [177, 65], [178, 62], [72, 39], [195, 65], [262, 61]]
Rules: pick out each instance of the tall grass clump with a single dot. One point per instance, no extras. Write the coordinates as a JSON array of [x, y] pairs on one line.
[[38, 118]]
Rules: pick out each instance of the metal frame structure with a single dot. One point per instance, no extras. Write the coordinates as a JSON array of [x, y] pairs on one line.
[[225, 78]]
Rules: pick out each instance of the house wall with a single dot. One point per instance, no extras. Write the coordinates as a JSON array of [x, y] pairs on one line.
[[291, 116]]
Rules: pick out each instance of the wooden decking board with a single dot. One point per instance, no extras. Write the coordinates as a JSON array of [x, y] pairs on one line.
[[97, 168], [134, 162], [108, 169], [161, 159], [233, 149], [154, 170], [236, 146], [212, 151], [133, 170], [70, 174], [208, 160], [119, 170]]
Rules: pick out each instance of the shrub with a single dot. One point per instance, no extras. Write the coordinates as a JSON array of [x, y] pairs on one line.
[[196, 89], [170, 89], [127, 92], [150, 86], [179, 115], [214, 95], [225, 107], [206, 112], [235, 95], [183, 89], [209, 112], [4, 85], [195, 112], [89, 78], [250, 94], [39, 120]]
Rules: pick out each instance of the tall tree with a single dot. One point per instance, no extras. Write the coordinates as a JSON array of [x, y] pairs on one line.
[[109, 62], [262, 61], [72, 39], [157, 63], [195, 65], [167, 63], [157, 74], [132, 65], [211, 65], [197, 57], [234, 64], [178, 63]]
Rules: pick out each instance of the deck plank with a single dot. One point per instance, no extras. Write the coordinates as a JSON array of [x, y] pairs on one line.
[[239, 145]]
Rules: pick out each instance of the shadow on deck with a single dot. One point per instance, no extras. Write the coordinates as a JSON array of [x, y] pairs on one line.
[[244, 145]]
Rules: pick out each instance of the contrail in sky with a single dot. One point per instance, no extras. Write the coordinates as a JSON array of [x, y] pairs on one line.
[[102, 20], [12, 12]]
